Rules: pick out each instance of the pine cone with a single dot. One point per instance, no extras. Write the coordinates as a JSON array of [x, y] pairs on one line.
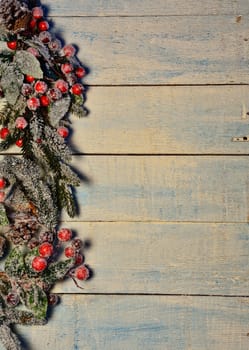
[[22, 231], [14, 14]]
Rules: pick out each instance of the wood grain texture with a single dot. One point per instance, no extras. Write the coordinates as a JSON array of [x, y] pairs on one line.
[[144, 322], [158, 188], [162, 258], [164, 120], [146, 7], [160, 50]]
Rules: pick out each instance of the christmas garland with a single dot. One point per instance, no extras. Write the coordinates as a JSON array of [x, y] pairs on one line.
[[39, 88]]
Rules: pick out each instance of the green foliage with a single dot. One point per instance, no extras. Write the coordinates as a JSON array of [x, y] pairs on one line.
[[14, 264], [3, 216], [36, 300]]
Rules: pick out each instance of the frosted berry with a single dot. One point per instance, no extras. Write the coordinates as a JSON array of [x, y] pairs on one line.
[[12, 44], [43, 26], [29, 78], [78, 259], [63, 131], [27, 89], [40, 87], [37, 12], [64, 234], [66, 68], [2, 183], [45, 101], [4, 132], [39, 264], [46, 249], [80, 72], [33, 103], [69, 252], [53, 299], [13, 299], [46, 237], [62, 85], [77, 89], [2, 196], [33, 51], [81, 273], [21, 123], [19, 142], [55, 45], [69, 50], [77, 243], [45, 37], [54, 94]]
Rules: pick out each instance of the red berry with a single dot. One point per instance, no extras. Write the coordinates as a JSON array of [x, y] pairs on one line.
[[66, 68], [43, 26], [41, 87], [80, 72], [4, 132], [32, 23], [39, 141], [44, 100], [2, 196], [69, 50], [39, 264], [81, 273], [33, 103], [78, 259], [77, 89], [69, 252], [62, 85], [29, 78], [12, 45], [2, 183], [19, 142], [37, 12], [63, 132], [64, 234], [46, 249]]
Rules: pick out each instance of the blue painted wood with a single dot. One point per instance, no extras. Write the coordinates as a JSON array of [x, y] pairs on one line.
[[164, 258], [144, 322], [146, 7], [160, 50], [164, 120], [161, 188]]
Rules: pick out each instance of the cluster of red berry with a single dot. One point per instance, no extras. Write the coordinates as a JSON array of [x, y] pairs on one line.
[[42, 93], [46, 251]]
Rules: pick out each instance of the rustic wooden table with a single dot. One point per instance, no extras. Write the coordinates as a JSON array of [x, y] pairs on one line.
[[166, 209]]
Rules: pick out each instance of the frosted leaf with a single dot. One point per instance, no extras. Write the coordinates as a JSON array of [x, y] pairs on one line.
[[58, 110], [28, 64]]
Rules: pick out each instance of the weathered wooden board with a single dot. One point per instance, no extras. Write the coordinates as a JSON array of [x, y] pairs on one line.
[[144, 322], [137, 8], [154, 188], [164, 120], [161, 50], [161, 258]]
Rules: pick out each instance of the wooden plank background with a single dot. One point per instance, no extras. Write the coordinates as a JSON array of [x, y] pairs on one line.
[[163, 206]]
